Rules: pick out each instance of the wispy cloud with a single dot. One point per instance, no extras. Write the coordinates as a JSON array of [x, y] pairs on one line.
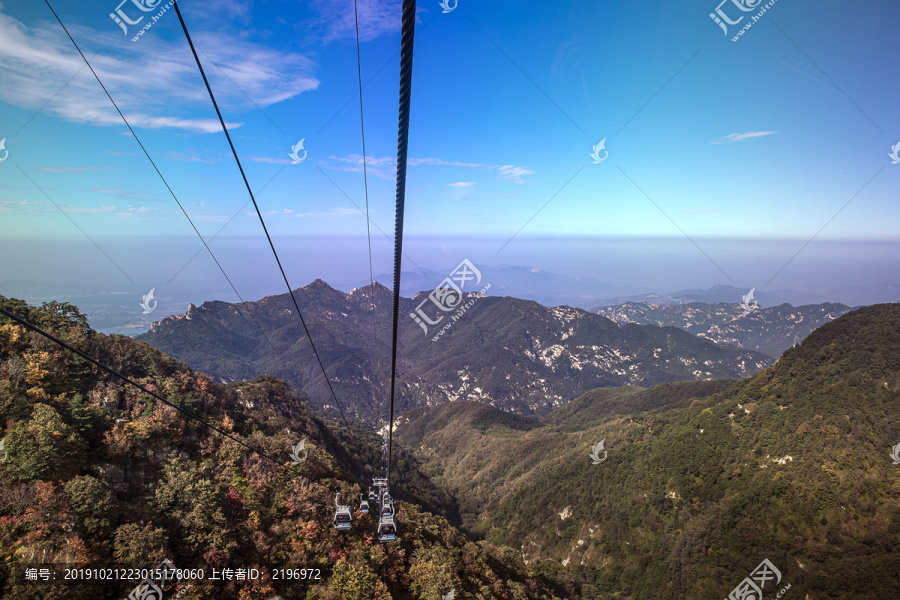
[[175, 155], [74, 170], [384, 167], [700, 211], [121, 193], [740, 137], [270, 160], [337, 212], [336, 20], [154, 83], [290, 212], [413, 162], [461, 184], [372, 161], [137, 212], [513, 173], [37, 207]]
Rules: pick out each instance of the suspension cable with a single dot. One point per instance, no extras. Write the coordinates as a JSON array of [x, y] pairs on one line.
[[362, 125], [259, 214], [166, 183], [407, 39]]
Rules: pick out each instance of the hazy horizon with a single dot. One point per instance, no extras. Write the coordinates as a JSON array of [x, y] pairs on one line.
[[588, 268]]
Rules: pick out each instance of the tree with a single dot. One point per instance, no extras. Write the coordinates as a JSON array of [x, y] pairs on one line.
[[355, 583], [44, 447], [432, 573], [139, 545], [93, 506]]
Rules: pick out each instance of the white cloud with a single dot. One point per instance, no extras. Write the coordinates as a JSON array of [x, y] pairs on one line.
[[37, 207], [336, 19], [513, 173], [175, 155], [508, 172], [413, 162], [371, 161], [150, 80], [270, 160], [75, 170], [461, 184], [740, 137], [337, 212], [700, 211]]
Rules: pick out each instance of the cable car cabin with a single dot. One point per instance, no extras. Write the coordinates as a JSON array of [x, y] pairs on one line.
[[387, 510], [373, 497], [363, 505], [387, 529], [343, 519]]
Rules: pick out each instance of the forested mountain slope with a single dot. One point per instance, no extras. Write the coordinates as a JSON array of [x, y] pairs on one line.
[[514, 354], [792, 464], [97, 475]]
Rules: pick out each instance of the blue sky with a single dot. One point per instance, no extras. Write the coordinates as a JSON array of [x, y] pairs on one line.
[[769, 136]]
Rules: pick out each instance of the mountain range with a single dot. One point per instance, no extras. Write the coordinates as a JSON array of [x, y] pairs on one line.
[[515, 354], [682, 490], [770, 330], [664, 492]]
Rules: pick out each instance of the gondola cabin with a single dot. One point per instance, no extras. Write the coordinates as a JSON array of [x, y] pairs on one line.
[[387, 529], [363, 505], [343, 519]]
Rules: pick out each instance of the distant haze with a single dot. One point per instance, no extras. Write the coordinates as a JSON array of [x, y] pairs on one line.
[[575, 270]]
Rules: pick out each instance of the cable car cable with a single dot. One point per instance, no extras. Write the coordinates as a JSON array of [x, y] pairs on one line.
[[362, 125], [166, 183], [259, 214], [407, 39]]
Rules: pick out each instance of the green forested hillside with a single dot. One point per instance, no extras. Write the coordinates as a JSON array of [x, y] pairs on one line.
[[98, 475], [605, 402], [791, 464]]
